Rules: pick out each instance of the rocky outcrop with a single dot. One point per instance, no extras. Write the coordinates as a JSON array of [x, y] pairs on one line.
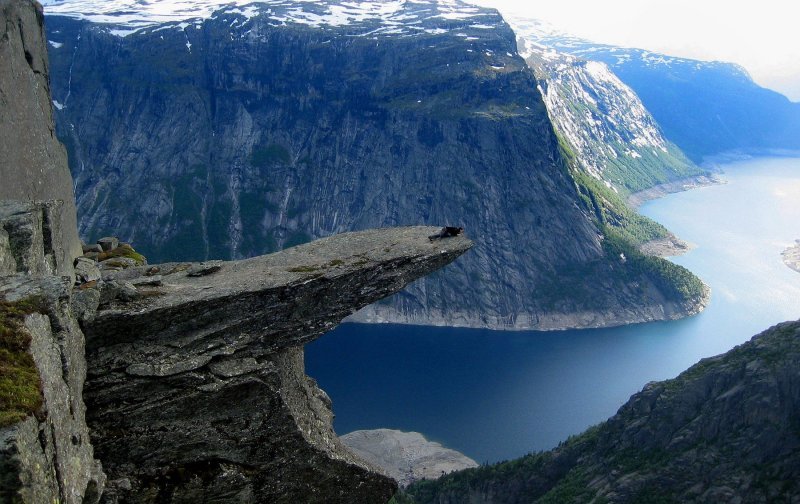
[[48, 456], [791, 256], [405, 456], [196, 387], [725, 430], [33, 163]]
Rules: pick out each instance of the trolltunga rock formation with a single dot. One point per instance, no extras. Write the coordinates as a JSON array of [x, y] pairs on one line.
[[196, 389]]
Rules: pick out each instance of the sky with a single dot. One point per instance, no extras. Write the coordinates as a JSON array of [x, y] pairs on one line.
[[763, 36]]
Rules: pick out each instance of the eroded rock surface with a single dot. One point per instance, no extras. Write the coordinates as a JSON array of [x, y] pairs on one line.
[[196, 388]]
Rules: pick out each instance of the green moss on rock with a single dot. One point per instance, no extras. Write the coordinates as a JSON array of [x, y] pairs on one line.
[[20, 384]]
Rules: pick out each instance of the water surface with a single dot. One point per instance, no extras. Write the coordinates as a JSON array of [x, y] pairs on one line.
[[495, 395]]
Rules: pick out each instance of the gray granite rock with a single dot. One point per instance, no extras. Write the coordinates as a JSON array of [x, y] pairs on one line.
[[197, 390], [108, 243], [33, 163], [86, 270], [49, 458]]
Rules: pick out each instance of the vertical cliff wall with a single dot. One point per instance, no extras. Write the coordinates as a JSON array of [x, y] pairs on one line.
[[264, 127], [33, 163]]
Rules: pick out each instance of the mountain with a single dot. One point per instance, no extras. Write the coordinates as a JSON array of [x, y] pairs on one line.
[[704, 107], [725, 430], [233, 132], [614, 137]]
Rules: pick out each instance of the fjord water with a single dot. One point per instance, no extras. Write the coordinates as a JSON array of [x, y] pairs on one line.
[[495, 395]]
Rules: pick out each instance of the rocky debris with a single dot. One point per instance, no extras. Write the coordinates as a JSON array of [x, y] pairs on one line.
[[86, 270], [94, 248], [33, 163], [725, 430], [405, 456], [220, 359], [791, 256], [108, 243]]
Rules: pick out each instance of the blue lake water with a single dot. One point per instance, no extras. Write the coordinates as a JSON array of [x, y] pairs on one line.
[[495, 395]]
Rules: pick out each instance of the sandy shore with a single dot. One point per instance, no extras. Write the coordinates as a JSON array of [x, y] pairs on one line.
[[791, 256], [636, 199]]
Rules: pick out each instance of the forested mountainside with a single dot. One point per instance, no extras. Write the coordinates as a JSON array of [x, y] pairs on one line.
[[725, 430], [704, 107], [255, 128]]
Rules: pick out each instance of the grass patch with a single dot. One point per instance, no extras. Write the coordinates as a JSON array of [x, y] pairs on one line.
[[20, 384], [123, 250]]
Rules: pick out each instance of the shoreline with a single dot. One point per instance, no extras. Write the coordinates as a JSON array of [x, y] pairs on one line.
[[635, 200], [791, 256]]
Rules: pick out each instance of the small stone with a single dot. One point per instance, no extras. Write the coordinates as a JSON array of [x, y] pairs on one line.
[[151, 281], [108, 243], [92, 248], [204, 268], [86, 270], [128, 292], [117, 289]]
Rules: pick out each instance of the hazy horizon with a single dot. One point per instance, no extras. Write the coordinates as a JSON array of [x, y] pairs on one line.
[[759, 37]]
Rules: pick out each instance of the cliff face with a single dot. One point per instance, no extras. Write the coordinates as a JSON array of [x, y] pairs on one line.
[[259, 128], [33, 163], [725, 430]]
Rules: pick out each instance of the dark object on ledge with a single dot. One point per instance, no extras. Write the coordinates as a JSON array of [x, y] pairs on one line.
[[446, 232]]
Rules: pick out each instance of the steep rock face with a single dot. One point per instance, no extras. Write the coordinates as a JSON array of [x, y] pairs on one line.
[[46, 457], [704, 107], [725, 430], [262, 127], [196, 390], [33, 164], [614, 137]]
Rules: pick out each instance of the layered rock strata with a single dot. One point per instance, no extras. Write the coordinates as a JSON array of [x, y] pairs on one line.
[[196, 389]]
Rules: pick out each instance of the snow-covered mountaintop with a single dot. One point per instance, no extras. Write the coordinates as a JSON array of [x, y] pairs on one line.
[[393, 17]]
